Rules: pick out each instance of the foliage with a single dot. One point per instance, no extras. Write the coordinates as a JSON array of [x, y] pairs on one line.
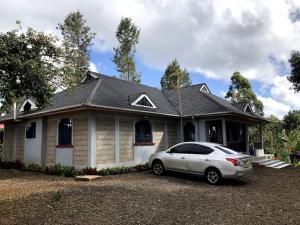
[[295, 72], [61, 170], [77, 38], [271, 135], [33, 167], [291, 121], [89, 171], [57, 195], [28, 66], [174, 76], [7, 164], [128, 36], [241, 91]]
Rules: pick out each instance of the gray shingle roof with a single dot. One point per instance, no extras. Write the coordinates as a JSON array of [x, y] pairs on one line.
[[106, 91]]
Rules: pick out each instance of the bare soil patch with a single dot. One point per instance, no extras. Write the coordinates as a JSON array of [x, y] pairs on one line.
[[268, 197]]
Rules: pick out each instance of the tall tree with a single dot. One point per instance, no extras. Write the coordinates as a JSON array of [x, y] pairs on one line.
[[241, 91], [272, 135], [174, 76], [77, 39], [28, 66], [295, 73], [291, 121], [128, 36]]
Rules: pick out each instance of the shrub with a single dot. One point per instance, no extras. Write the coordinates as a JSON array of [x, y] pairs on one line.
[[7, 164], [33, 167], [55, 169], [57, 195], [89, 171], [69, 171], [19, 165]]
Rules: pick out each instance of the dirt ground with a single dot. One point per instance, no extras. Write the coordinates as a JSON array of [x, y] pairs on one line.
[[268, 197]]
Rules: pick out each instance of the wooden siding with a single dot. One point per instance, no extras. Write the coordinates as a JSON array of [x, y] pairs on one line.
[[80, 142], [105, 140], [172, 134], [126, 139], [51, 141], [158, 128], [9, 142], [20, 142]]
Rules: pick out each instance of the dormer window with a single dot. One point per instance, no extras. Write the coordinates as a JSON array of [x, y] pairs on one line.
[[144, 101], [27, 106], [248, 109], [204, 88]]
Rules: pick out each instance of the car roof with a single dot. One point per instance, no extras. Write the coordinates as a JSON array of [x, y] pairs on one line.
[[210, 144]]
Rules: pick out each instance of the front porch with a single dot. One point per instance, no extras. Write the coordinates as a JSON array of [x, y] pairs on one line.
[[231, 132]]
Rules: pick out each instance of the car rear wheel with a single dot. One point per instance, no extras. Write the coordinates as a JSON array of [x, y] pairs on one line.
[[158, 167], [213, 176]]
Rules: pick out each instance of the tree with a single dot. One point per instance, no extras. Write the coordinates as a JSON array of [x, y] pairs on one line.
[[128, 37], [174, 76], [241, 91], [295, 72], [77, 38], [291, 121], [272, 134], [28, 66]]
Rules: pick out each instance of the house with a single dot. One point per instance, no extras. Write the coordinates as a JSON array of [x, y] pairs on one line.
[[106, 122]]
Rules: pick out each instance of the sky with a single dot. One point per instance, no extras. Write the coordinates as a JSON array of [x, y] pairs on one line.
[[210, 38]]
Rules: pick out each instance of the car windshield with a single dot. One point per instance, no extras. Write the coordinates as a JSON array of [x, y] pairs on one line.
[[226, 150]]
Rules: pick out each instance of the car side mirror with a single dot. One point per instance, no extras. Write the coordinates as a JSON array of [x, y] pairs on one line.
[[171, 151]]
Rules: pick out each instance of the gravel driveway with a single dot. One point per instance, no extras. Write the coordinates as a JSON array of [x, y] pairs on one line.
[[269, 197]]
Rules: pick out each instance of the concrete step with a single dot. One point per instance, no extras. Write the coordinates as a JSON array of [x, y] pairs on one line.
[[275, 164], [282, 166], [266, 161], [255, 159], [269, 163]]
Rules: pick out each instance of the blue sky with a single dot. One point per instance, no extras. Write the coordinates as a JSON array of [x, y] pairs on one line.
[[210, 38]]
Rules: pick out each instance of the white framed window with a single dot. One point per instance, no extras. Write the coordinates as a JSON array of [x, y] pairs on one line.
[[144, 101], [27, 105], [204, 88], [65, 132]]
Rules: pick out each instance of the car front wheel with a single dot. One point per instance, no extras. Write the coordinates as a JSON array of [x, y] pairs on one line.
[[213, 176], [158, 168]]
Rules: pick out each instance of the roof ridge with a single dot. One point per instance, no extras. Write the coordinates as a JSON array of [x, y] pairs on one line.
[[171, 103], [92, 94], [126, 81]]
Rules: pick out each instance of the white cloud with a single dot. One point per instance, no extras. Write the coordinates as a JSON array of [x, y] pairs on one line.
[[273, 107], [93, 67], [212, 37]]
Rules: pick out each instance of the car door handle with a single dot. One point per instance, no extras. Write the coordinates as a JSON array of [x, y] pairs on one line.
[[182, 157], [207, 159]]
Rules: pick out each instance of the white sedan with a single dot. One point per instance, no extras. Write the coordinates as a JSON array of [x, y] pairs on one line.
[[214, 161]]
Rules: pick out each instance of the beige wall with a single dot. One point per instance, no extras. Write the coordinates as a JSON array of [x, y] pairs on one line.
[[80, 141], [172, 134], [20, 141], [105, 139], [51, 141], [9, 142], [126, 139], [158, 129]]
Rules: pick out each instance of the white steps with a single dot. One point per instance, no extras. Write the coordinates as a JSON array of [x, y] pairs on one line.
[[270, 163]]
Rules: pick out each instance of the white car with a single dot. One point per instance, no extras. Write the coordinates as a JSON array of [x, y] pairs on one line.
[[214, 161]]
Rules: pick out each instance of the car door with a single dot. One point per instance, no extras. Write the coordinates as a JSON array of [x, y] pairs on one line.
[[177, 158], [200, 159]]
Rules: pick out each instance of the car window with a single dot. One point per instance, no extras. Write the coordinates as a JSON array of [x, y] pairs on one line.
[[192, 149], [226, 150]]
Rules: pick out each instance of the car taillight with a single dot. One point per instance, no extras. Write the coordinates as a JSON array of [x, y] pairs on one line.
[[235, 162]]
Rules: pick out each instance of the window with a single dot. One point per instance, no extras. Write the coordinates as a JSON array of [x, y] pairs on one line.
[[65, 132], [192, 149], [226, 150], [144, 101], [189, 132], [143, 132], [31, 130]]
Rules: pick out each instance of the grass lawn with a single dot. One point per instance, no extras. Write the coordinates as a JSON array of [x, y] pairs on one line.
[[268, 197]]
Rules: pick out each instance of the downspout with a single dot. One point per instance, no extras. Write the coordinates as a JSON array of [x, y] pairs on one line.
[[15, 111]]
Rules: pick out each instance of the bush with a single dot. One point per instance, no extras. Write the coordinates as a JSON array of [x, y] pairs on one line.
[[33, 167], [19, 165], [89, 171], [55, 169], [69, 171], [7, 164]]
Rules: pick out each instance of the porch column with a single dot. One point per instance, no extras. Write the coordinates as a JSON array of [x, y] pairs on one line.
[[202, 130], [261, 136], [117, 139], [224, 132], [247, 138], [92, 140]]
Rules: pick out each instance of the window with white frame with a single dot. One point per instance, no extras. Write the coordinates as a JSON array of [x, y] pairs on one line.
[[143, 132], [65, 132]]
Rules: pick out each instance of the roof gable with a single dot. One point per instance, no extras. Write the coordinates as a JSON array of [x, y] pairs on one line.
[[144, 101]]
